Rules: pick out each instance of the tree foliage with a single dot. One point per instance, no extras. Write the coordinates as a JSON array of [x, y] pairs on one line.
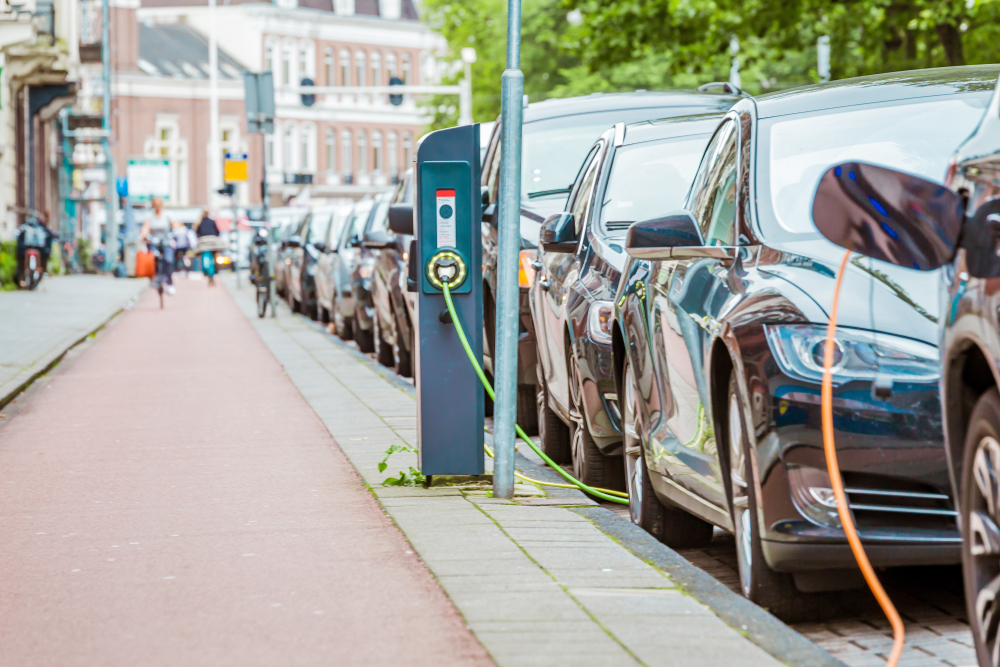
[[659, 44]]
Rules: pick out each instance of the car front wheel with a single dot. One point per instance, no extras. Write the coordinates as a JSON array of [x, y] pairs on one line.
[[980, 520]]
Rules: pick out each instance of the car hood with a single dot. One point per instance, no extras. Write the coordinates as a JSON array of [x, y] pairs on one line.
[[533, 214], [875, 295]]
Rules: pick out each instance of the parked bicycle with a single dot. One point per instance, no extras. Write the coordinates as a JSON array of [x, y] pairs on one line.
[[260, 270]]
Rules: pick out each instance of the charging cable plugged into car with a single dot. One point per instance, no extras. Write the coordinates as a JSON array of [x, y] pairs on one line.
[[833, 468]]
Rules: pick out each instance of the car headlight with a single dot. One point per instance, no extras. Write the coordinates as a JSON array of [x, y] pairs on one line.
[[599, 318], [813, 495], [366, 270], [858, 354]]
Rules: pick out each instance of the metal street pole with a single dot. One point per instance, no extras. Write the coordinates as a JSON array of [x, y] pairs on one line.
[[271, 236], [505, 375], [111, 220], [213, 108]]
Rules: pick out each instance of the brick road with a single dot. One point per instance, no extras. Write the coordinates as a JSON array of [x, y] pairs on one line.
[[170, 499]]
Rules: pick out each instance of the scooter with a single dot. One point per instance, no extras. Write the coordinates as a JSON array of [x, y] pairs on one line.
[[34, 239]]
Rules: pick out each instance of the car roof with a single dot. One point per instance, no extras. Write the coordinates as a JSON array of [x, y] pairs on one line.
[[666, 128], [879, 88], [598, 102]]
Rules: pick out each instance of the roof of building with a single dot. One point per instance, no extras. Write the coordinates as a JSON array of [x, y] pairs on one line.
[[177, 50], [361, 7]]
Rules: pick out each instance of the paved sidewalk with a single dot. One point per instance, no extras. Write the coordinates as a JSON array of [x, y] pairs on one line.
[[538, 585], [37, 327], [168, 498]]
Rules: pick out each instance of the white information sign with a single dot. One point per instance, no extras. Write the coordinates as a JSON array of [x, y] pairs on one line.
[[148, 178]]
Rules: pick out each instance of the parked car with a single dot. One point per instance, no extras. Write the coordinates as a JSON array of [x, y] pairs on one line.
[[305, 247], [365, 328], [910, 220], [287, 220], [333, 274], [557, 135], [393, 304], [718, 337], [633, 172]]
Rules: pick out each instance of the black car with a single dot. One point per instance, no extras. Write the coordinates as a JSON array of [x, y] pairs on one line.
[[288, 222], [910, 221], [633, 172], [333, 275], [305, 247], [557, 135], [718, 337], [365, 328], [393, 304]]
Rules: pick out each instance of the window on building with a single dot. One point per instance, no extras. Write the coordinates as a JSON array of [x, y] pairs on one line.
[[331, 151], [392, 154], [346, 150], [304, 149], [377, 156], [376, 69], [362, 151], [287, 76], [345, 67], [359, 63], [407, 150], [406, 69], [269, 150], [166, 143], [328, 67], [303, 60], [390, 65], [269, 56], [289, 161]]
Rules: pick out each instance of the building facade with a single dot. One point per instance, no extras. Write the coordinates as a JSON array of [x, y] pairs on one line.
[[339, 146]]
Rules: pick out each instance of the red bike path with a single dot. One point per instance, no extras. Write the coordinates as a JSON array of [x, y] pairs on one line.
[[169, 498]]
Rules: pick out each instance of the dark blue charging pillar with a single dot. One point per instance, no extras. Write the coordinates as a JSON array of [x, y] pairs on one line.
[[450, 398]]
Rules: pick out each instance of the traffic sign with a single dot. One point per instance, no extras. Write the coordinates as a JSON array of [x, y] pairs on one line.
[[235, 168], [148, 178], [259, 101]]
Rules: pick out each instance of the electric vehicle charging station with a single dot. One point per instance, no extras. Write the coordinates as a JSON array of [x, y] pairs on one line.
[[450, 398]]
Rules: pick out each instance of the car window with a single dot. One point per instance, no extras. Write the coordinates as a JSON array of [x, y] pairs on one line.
[[319, 225], [355, 226], [379, 219], [649, 180], [713, 194], [584, 189]]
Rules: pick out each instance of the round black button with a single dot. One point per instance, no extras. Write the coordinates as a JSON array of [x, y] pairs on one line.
[[446, 211]]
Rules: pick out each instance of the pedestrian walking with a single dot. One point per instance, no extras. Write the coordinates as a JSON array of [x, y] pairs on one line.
[[157, 229]]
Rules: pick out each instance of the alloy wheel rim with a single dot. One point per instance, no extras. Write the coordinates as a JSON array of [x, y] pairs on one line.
[[577, 419], [741, 511], [633, 469], [983, 542]]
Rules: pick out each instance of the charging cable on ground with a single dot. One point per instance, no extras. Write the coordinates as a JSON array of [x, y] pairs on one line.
[[603, 494], [833, 467]]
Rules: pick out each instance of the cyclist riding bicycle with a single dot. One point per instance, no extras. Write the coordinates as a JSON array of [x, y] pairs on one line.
[[156, 232]]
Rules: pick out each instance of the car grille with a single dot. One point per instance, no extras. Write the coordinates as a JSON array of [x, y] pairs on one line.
[[614, 225], [880, 502]]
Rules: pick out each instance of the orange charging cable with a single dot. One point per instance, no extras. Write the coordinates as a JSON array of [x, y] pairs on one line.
[[830, 447]]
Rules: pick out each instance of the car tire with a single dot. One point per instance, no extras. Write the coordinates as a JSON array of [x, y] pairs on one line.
[[404, 356], [672, 526], [384, 353], [295, 305], [343, 327], [980, 518], [324, 314], [775, 591], [527, 409], [590, 465], [552, 432], [364, 338]]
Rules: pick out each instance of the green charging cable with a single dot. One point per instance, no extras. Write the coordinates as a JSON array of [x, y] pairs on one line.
[[603, 494]]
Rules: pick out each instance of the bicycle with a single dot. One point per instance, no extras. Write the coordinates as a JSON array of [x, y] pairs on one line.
[[260, 271], [160, 278]]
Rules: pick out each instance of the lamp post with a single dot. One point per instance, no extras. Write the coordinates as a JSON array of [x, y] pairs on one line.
[[509, 242]]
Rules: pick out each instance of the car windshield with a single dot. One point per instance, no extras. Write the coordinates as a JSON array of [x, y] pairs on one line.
[[356, 223], [915, 136], [380, 218], [649, 180], [318, 227], [553, 149]]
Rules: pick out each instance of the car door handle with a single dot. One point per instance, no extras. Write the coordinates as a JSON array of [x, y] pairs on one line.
[[544, 284]]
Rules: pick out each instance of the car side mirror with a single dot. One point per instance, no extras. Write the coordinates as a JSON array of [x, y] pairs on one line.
[[558, 233], [401, 218], [377, 239], [355, 242], [294, 241], [674, 236], [484, 192], [888, 215], [321, 246]]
